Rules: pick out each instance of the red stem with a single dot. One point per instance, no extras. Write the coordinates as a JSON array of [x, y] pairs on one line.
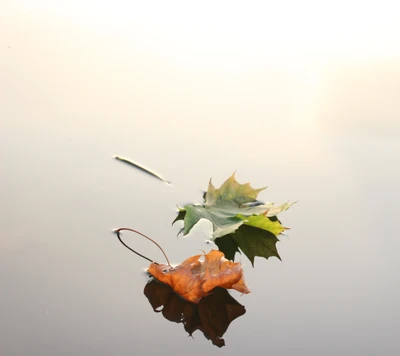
[[137, 232]]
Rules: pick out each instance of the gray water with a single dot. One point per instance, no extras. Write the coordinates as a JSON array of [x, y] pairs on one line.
[[327, 138]]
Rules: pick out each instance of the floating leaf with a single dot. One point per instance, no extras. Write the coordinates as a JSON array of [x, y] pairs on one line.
[[263, 222], [193, 279], [251, 241], [240, 222], [231, 206], [228, 246]]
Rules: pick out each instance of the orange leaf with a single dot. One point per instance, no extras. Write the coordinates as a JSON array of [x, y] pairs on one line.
[[193, 279]]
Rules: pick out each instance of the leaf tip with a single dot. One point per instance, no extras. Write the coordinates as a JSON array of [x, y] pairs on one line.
[[277, 255], [261, 189]]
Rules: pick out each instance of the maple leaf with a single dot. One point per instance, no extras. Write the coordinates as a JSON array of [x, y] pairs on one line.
[[233, 209], [193, 279], [251, 241], [231, 206]]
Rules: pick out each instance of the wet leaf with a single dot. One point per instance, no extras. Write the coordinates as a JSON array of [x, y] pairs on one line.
[[228, 246], [231, 206], [251, 241], [193, 279], [240, 222]]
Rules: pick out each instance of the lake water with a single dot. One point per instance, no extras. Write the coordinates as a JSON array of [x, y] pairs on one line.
[[325, 134]]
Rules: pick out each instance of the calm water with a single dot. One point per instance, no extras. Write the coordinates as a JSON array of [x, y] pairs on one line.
[[328, 139]]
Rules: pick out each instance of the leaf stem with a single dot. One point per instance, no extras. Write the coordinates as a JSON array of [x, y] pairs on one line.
[[137, 232], [140, 167]]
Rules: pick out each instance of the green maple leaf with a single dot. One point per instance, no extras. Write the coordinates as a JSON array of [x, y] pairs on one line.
[[251, 241], [236, 216]]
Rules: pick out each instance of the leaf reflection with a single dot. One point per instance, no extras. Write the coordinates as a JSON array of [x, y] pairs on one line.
[[212, 316]]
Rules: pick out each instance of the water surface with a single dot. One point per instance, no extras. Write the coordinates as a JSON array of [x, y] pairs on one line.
[[329, 139]]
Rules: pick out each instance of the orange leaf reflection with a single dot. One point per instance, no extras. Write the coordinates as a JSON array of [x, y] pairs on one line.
[[193, 279], [212, 316]]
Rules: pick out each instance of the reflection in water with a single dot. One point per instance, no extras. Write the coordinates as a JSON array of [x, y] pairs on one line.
[[211, 316]]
